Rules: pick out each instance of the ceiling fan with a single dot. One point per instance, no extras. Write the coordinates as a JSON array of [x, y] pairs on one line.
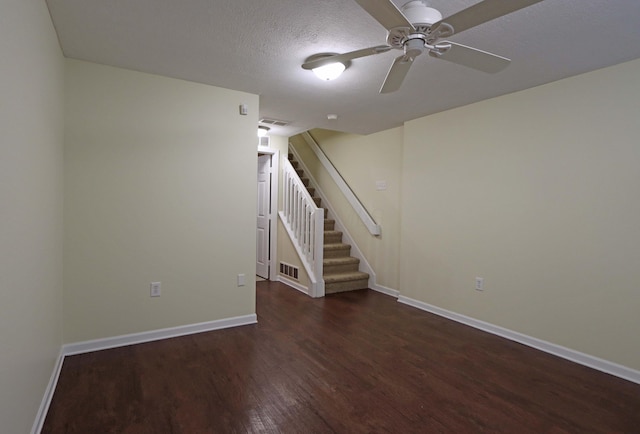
[[417, 28]]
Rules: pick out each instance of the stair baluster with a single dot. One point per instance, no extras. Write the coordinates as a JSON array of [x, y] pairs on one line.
[[304, 222]]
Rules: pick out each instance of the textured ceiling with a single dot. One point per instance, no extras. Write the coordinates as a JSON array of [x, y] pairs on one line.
[[258, 47]]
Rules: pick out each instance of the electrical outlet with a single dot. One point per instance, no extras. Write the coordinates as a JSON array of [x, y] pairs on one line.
[[155, 289], [479, 283]]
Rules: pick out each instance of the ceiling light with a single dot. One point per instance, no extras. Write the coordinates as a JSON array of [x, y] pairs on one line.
[[330, 71], [262, 130]]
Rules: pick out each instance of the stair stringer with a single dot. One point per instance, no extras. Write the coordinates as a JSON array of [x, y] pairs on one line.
[[364, 265]]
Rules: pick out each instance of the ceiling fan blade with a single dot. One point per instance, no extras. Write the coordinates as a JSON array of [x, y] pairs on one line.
[[482, 12], [396, 74], [386, 13], [471, 57], [312, 64]]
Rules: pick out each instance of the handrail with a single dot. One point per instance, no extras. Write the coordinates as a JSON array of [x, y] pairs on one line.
[[372, 226], [304, 222]]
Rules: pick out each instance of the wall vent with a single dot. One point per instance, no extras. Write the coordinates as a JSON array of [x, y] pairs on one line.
[[263, 141], [289, 270], [275, 122]]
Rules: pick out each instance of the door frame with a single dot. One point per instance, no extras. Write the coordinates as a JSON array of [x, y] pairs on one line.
[[273, 209]]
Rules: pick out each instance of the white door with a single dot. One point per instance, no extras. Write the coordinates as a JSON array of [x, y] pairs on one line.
[[264, 205]]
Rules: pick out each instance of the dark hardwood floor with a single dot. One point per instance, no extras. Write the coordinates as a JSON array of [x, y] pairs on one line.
[[356, 362]]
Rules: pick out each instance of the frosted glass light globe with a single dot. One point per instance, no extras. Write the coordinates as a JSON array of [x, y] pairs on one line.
[[330, 71]]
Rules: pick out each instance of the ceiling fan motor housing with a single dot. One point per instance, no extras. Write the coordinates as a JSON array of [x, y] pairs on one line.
[[419, 14], [421, 17]]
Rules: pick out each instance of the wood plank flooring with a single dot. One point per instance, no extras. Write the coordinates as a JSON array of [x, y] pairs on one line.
[[356, 362]]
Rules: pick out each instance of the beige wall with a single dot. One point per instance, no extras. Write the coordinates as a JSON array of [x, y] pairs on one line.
[[160, 185], [362, 161], [539, 193], [31, 164]]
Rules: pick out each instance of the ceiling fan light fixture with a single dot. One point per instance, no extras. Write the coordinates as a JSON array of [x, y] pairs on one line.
[[330, 71]]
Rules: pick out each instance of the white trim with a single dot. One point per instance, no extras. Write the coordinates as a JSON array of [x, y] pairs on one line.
[[347, 238], [273, 217], [48, 395], [372, 226], [385, 290], [548, 347], [154, 335], [293, 284]]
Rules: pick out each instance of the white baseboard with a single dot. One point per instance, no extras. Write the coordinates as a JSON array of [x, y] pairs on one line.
[[548, 347], [48, 395], [294, 284], [154, 335], [383, 289]]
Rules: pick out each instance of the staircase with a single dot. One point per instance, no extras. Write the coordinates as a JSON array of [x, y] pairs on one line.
[[339, 269]]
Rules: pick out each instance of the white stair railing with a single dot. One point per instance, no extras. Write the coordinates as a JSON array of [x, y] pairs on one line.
[[304, 222]]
